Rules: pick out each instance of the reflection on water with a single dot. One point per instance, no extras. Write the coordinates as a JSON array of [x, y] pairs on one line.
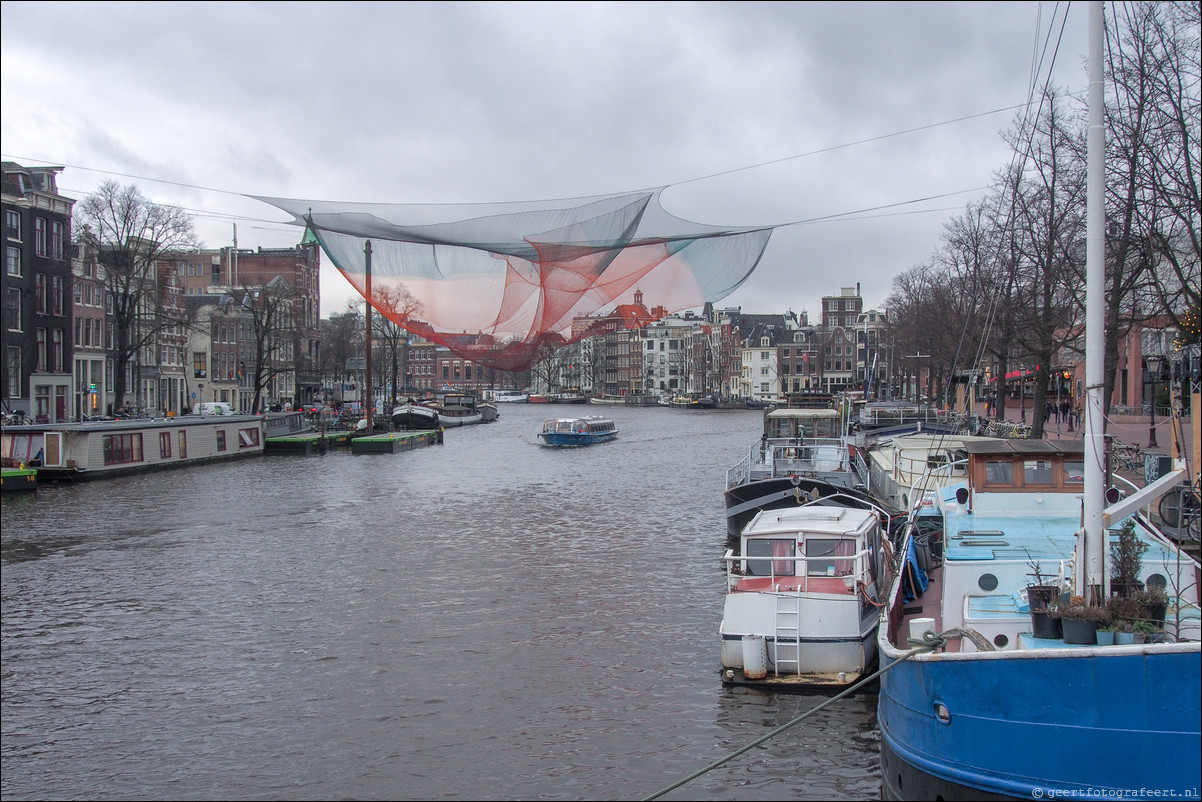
[[486, 619]]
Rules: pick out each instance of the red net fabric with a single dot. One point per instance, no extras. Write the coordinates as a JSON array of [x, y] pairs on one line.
[[498, 283]]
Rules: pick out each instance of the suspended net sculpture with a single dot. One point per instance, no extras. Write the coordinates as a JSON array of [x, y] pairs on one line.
[[502, 284]]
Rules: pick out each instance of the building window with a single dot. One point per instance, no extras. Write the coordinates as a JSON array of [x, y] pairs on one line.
[[12, 224], [183, 444], [165, 445], [12, 309], [56, 240], [39, 236], [221, 439], [12, 261], [13, 366], [56, 350], [41, 350], [56, 293], [199, 365], [39, 292]]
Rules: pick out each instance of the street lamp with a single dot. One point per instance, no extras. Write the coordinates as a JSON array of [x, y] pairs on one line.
[[1154, 362]]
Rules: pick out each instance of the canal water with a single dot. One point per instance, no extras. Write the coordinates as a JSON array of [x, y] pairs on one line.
[[485, 619]]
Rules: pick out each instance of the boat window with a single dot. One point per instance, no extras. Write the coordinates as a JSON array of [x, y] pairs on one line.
[[771, 547], [999, 472], [826, 550], [826, 427], [1074, 472], [1037, 472]]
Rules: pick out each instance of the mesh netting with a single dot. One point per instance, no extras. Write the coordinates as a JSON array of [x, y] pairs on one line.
[[499, 283]]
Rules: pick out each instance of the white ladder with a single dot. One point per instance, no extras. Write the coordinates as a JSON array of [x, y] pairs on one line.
[[788, 627]]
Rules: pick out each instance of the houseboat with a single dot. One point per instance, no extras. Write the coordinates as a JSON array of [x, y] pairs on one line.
[[803, 455], [94, 449], [801, 604]]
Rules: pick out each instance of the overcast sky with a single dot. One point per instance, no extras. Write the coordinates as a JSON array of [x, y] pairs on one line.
[[753, 113]]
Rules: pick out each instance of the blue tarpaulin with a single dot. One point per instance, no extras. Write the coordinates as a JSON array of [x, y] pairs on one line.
[[914, 579]]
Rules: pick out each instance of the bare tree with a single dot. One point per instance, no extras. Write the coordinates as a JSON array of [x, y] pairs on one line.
[[396, 306], [1049, 226], [1154, 127], [129, 234], [267, 352], [342, 341]]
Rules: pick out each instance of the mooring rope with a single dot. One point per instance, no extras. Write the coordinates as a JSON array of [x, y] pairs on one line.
[[928, 643]]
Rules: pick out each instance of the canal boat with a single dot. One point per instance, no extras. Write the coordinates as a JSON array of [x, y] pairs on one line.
[[413, 416], [18, 479], [802, 604], [572, 432], [456, 409], [803, 455], [996, 677], [978, 699], [910, 469], [505, 396], [94, 449]]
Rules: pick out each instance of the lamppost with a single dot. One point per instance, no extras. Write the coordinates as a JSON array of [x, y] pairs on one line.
[[1154, 362]]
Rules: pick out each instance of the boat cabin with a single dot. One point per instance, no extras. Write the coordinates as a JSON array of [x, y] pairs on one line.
[[1024, 466], [790, 423]]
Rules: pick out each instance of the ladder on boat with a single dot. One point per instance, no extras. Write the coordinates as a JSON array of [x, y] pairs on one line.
[[786, 646]]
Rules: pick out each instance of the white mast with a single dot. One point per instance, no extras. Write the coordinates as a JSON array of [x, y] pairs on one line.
[[1095, 257]]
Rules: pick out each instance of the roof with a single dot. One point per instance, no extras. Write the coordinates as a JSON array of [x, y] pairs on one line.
[[1036, 448]]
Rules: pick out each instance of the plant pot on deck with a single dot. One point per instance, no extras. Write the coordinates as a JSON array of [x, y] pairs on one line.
[[1080, 630], [1154, 613], [1105, 637], [1044, 625], [1041, 599]]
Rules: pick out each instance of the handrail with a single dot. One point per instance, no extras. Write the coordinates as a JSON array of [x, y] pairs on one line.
[[859, 571]]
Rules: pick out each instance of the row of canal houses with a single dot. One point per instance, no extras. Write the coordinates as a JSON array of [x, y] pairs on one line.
[[193, 342]]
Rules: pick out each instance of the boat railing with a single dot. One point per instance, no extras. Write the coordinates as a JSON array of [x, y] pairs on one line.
[[800, 580], [776, 457]]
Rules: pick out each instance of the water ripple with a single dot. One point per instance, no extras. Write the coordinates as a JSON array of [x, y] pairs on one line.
[[486, 619]]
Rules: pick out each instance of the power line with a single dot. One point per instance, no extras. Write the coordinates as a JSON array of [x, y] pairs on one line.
[[678, 183]]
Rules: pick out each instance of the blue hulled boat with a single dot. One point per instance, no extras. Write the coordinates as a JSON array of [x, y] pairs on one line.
[[570, 432], [979, 699]]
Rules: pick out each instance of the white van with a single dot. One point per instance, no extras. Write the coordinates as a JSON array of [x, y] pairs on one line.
[[214, 408]]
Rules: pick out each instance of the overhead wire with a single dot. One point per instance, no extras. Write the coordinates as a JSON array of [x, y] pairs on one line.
[[849, 214]]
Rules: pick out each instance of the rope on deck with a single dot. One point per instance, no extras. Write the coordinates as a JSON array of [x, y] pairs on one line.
[[929, 643]]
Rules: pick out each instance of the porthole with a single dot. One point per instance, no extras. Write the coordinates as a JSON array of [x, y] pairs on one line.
[[942, 713], [987, 582], [1157, 582], [1001, 641]]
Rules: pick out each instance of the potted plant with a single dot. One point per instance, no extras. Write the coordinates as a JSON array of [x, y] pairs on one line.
[[1106, 633], [1080, 621], [1126, 561], [1153, 604], [1125, 634], [1145, 630], [1043, 597]]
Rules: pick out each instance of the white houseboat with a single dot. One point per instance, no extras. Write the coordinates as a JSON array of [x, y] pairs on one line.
[[802, 597], [93, 449]]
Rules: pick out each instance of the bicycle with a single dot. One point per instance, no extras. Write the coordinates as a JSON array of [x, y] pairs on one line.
[[1181, 511], [1128, 456]]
